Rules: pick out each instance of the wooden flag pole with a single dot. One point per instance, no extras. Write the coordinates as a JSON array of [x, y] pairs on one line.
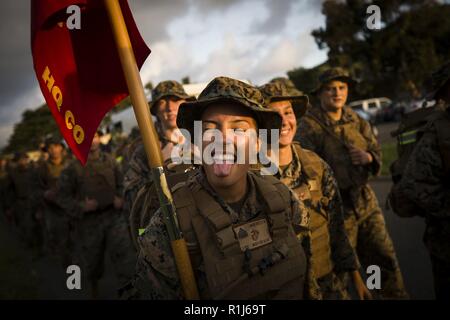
[[152, 147]]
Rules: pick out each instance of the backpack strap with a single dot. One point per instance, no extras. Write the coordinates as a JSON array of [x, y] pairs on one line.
[[277, 199], [327, 130]]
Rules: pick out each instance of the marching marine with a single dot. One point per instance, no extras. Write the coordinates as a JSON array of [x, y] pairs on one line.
[[425, 182], [92, 196], [241, 227], [313, 181], [346, 142]]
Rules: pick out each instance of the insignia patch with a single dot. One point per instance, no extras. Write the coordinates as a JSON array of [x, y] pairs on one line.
[[253, 234]]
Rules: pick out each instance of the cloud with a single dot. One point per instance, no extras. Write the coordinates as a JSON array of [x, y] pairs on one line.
[[15, 57], [247, 39], [154, 16], [275, 21]]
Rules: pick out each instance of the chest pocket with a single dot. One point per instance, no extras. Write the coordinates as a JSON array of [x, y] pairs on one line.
[[338, 156], [350, 133], [231, 273]]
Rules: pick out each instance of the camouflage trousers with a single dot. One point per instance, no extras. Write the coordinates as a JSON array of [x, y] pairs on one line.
[[57, 234], [437, 241], [29, 228], [333, 288], [374, 246], [103, 233]]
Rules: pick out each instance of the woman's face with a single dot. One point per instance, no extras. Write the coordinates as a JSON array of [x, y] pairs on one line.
[[234, 123], [289, 124]]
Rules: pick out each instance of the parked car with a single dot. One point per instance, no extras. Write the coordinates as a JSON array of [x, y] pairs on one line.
[[372, 106], [392, 112]]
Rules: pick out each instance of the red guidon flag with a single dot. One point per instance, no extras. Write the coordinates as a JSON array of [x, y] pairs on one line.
[[79, 70]]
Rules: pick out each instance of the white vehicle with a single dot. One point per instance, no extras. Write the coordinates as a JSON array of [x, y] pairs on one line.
[[372, 106]]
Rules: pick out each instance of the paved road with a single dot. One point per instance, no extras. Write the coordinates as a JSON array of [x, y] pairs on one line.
[[406, 233]]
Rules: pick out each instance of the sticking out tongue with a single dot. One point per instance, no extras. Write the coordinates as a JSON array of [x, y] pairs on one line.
[[222, 169]]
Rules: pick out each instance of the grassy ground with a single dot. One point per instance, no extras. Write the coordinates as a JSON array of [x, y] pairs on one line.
[[389, 150]]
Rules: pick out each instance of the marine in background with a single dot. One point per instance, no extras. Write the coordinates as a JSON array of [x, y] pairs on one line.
[[313, 181], [346, 142]]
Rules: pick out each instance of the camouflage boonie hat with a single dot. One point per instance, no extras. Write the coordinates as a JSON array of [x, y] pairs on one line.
[[276, 90], [335, 73], [223, 89], [168, 88], [286, 82], [438, 80]]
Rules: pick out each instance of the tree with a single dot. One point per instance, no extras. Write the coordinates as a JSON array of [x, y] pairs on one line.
[[32, 130], [149, 86], [396, 60], [186, 80], [306, 80]]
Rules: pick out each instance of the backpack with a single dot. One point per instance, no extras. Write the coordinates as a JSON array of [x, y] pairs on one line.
[[409, 133]]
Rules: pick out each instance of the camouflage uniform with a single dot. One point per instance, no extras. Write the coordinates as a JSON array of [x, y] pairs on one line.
[[364, 220], [138, 176], [104, 229], [57, 229], [3, 189], [156, 276], [425, 183], [142, 199], [19, 192], [336, 256]]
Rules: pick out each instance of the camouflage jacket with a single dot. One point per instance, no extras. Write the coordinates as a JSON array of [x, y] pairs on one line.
[[75, 181], [137, 173], [46, 175], [156, 275], [312, 136], [136, 176], [423, 180], [357, 196], [18, 186], [343, 255]]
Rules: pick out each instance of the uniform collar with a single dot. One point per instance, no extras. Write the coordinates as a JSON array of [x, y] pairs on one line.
[[293, 171]]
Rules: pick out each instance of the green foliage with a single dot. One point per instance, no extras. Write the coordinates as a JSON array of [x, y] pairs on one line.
[[389, 152], [32, 130], [305, 79], [186, 80], [149, 86], [124, 104]]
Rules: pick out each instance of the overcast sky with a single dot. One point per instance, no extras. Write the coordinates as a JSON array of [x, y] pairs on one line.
[[254, 40]]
